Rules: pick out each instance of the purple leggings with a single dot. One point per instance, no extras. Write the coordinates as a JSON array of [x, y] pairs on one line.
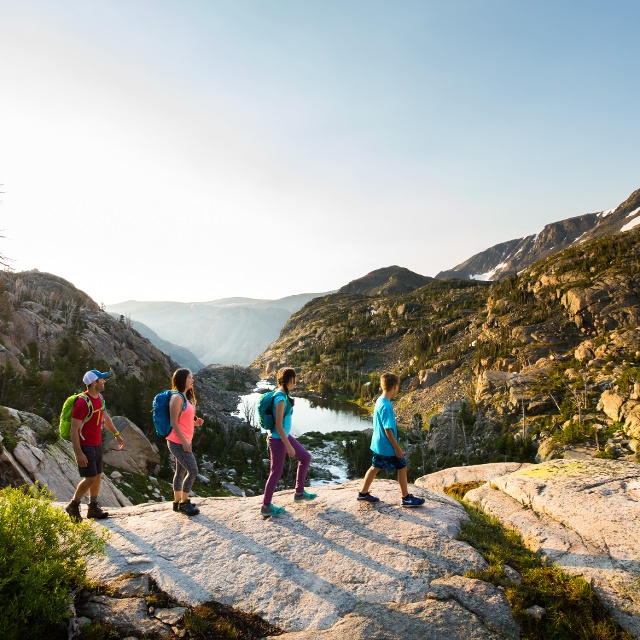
[[278, 455]]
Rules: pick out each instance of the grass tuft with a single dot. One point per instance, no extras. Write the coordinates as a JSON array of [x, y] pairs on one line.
[[572, 609]]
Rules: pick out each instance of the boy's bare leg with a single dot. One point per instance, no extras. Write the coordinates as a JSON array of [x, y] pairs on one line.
[[402, 481], [369, 477]]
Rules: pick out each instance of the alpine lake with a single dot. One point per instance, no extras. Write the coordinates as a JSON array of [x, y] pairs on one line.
[[321, 425]]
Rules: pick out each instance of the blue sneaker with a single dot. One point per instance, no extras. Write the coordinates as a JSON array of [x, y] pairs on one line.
[[411, 501], [271, 510], [301, 497], [367, 497]]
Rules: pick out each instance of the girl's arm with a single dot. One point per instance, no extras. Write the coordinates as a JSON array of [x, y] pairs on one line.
[[175, 406], [280, 429]]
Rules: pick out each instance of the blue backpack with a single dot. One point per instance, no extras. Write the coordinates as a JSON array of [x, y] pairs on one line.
[[160, 411], [266, 416]]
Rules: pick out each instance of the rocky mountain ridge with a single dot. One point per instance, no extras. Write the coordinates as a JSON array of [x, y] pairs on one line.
[[480, 360], [386, 281], [511, 257]]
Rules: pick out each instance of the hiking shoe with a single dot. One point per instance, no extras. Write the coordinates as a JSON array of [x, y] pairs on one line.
[[176, 504], [411, 501], [73, 509], [271, 510], [367, 497], [94, 511], [301, 497], [188, 508]]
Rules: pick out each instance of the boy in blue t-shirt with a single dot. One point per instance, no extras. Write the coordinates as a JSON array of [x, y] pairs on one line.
[[387, 453]]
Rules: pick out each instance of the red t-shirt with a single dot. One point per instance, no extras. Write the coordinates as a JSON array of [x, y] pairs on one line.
[[91, 432]]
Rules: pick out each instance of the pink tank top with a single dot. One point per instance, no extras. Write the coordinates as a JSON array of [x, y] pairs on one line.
[[185, 422]]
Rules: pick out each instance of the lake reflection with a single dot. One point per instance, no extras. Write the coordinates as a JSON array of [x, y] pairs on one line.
[[318, 414]]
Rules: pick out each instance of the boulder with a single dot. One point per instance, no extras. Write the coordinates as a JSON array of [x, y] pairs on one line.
[[138, 455], [578, 300], [328, 569], [581, 515], [490, 382], [585, 351], [427, 378], [446, 367], [233, 489], [611, 403], [52, 465], [440, 480], [271, 367], [539, 407], [547, 450], [632, 424]]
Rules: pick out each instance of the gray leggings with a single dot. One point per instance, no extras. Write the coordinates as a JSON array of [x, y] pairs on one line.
[[186, 467]]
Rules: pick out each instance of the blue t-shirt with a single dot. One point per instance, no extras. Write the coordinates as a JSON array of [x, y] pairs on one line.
[[279, 396], [383, 418]]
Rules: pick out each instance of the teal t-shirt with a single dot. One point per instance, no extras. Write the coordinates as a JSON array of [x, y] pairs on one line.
[[280, 396], [383, 418]]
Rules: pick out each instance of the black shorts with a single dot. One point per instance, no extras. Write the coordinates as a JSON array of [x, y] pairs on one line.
[[388, 463], [94, 458]]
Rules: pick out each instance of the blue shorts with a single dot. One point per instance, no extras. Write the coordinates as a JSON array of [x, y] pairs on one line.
[[388, 463]]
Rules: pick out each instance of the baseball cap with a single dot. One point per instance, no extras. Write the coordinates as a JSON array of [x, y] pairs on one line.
[[91, 376]]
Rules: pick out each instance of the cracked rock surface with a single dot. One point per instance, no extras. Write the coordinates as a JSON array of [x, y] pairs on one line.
[[335, 566]]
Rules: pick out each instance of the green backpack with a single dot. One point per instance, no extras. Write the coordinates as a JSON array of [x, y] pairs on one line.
[[67, 410]]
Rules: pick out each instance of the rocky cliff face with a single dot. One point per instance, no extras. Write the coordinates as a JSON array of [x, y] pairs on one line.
[[41, 309], [515, 255], [33, 457]]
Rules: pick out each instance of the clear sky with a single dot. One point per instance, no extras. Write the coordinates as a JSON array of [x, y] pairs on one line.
[[197, 149]]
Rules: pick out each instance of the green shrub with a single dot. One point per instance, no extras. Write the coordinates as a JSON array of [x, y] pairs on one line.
[[42, 558]]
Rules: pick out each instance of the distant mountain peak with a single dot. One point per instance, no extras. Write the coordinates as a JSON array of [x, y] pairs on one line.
[[386, 281], [515, 255]]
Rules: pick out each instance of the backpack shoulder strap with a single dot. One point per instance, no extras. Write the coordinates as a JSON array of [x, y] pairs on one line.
[[104, 409], [287, 402], [85, 396], [184, 399]]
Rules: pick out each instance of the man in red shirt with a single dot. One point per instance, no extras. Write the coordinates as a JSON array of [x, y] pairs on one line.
[[86, 437]]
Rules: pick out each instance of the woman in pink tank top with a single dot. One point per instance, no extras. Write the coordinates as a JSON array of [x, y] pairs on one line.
[[182, 412]]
